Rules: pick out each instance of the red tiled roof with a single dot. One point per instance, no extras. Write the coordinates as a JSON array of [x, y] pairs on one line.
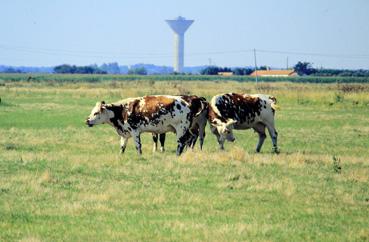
[[274, 73]]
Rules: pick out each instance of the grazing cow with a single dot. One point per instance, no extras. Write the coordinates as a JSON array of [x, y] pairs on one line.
[[199, 107], [242, 111], [155, 114]]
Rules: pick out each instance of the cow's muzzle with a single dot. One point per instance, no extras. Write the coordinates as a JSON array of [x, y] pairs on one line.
[[231, 139], [87, 122]]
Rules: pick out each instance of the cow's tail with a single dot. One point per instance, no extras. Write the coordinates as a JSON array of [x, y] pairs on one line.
[[203, 106], [273, 103]]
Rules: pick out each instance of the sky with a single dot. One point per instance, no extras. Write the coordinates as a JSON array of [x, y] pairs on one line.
[[327, 33]]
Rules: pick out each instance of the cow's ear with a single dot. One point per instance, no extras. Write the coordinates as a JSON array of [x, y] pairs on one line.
[[231, 122], [102, 103]]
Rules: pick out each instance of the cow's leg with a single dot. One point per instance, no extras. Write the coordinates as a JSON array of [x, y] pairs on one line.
[[260, 129], [219, 139], [194, 140], [195, 135], [162, 142], [155, 142], [202, 138], [274, 136], [137, 138], [123, 144], [183, 136], [202, 134]]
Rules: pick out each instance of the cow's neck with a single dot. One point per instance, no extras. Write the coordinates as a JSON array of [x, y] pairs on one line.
[[117, 120]]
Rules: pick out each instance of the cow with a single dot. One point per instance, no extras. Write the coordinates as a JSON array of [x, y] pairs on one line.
[[198, 106], [242, 111], [156, 114]]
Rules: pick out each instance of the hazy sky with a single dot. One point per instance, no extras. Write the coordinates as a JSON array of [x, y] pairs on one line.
[[329, 33]]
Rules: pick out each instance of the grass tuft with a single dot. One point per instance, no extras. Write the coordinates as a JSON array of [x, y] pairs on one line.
[[337, 164]]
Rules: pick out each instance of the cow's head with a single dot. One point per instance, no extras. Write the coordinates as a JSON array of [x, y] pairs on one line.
[[225, 130], [99, 115]]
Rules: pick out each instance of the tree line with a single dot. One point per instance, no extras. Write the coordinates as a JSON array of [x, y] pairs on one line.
[[302, 68], [73, 69], [239, 71]]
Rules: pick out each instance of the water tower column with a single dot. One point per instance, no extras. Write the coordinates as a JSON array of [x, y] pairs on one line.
[[179, 52]]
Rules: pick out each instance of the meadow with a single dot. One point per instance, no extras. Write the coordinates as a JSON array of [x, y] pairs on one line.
[[60, 180]]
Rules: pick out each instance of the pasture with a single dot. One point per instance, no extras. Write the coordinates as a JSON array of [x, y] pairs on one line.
[[60, 180]]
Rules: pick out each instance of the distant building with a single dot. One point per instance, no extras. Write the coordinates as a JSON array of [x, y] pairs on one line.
[[228, 73], [179, 27], [274, 73]]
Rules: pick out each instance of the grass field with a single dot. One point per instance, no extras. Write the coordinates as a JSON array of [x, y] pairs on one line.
[[60, 180]]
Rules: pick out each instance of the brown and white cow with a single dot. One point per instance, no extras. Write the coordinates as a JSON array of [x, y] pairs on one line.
[[199, 107], [155, 114], [242, 111]]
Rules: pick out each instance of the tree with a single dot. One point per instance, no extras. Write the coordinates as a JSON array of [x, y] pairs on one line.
[[78, 69], [304, 68], [12, 70], [137, 71], [242, 71], [111, 68], [62, 69], [210, 70], [214, 70], [263, 68]]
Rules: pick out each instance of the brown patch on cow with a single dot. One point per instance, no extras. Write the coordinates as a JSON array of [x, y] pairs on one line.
[[212, 115], [248, 100], [134, 106], [153, 104], [153, 107]]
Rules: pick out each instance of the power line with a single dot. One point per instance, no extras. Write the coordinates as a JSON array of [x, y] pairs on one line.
[[353, 56], [99, 54], [147, 55]]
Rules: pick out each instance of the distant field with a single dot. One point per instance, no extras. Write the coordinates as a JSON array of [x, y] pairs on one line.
[[60, 180], [73, 78]]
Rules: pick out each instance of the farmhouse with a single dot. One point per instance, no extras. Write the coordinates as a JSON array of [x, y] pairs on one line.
[[274, 73], [225, 73]]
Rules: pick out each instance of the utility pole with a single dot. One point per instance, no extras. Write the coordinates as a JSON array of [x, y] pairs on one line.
[[287, 62], [256, 72]]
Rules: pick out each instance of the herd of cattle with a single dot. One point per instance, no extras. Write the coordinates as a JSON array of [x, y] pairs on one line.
[[187, 116]]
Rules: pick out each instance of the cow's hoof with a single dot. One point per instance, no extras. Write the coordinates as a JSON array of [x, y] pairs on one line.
[[162, 149], [275, 150]]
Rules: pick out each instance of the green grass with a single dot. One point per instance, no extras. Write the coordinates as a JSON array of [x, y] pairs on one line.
[[60, 180]]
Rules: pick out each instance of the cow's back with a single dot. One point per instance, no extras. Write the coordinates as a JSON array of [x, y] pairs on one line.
[[156, 113], [236, 106]]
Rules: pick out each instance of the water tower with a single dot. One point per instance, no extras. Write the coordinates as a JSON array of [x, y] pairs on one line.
[[179, 27]]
